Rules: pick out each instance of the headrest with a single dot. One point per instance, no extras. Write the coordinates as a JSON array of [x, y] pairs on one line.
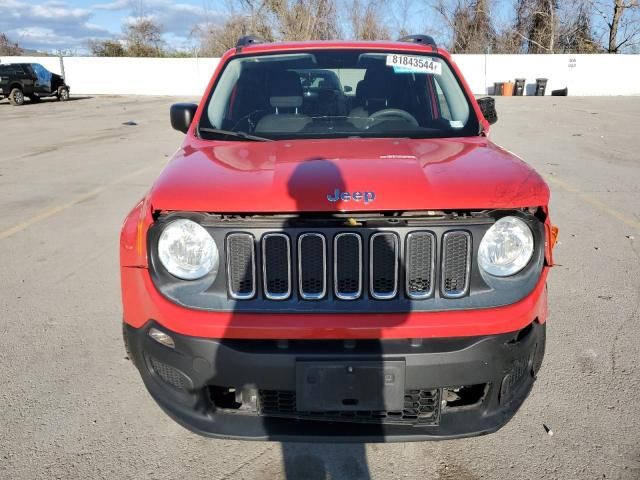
[[285, 89], [360, 87], [378, 83]]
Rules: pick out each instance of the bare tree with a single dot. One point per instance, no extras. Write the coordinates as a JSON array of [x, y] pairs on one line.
[[542, 27], [575, 30], [470, 24], [621, 23], [215, 40], [304, 19], [143, 38], [404, 11], [533, 30], [8, 47], [106, 48], [365, 21], [286, 20]]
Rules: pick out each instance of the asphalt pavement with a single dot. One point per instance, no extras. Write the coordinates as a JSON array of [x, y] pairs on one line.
[[72, 406]]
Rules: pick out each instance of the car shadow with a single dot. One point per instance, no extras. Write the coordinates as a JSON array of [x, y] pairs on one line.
[[28, 102], [354, 381]]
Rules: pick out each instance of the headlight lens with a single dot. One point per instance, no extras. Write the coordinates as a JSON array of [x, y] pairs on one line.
[[187, 250], [506, 248]]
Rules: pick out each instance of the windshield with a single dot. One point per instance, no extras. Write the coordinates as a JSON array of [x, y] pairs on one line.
[[330, 94]]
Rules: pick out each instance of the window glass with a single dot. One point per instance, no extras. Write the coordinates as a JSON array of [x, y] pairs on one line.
[[339, 94]]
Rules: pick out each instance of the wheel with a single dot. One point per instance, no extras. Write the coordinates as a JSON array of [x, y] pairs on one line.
[[16, 97], [63, 94]]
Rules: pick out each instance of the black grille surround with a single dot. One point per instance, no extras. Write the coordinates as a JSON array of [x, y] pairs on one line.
[[336, 267]]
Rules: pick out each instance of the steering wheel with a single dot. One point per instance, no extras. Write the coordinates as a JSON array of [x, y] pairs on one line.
[[385, 114]]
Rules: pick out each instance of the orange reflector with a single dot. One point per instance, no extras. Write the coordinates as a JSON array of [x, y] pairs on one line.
[[555, 231], [139, 237]]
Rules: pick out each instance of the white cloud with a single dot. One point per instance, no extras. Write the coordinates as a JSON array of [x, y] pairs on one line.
[[176, 19], [49, 25], [55, 24]]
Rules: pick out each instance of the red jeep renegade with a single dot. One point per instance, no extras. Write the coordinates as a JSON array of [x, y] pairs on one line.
[[338, 252]]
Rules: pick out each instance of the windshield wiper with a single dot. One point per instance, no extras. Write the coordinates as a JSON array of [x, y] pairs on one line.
[[230, 133]]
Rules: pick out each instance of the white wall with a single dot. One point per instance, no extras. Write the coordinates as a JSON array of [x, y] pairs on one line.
[[139, 76], [130, 76], [582, 74]]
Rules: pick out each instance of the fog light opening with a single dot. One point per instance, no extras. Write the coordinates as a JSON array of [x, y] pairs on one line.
[[161, 338], [225, 397], [464, 396]]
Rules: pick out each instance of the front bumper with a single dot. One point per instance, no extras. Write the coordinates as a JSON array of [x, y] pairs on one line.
[[221, 388]]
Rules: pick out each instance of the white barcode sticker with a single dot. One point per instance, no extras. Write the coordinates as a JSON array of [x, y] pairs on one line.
[[413, 64]]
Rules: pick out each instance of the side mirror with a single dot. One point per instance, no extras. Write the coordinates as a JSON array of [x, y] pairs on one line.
[[348, 88], [182, 115], [488, 108]]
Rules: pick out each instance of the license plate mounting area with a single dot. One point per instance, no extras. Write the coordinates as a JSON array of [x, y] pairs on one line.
[[328, 386]]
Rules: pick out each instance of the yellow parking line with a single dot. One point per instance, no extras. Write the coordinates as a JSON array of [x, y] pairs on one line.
[[630, 221], [44, 214]]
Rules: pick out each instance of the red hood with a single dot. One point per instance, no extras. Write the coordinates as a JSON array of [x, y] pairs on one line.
[[291, 176]]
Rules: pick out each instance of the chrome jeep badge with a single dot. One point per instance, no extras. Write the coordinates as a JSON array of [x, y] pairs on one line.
[[365, 197]]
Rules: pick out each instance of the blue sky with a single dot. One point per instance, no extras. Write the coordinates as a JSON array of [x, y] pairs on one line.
[[53, 25]]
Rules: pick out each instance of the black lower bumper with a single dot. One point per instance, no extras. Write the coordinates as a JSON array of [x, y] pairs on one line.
[[453, 387]]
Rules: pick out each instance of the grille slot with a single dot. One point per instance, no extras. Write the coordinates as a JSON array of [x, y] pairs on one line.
[[456, 263], [383, 265], [241, 266], [276, 265], [312, 266], [347, 266], [421, 407], [420, 264]]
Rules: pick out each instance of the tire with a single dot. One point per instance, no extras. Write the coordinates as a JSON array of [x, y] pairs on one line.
[[16, 97], [63, 94]]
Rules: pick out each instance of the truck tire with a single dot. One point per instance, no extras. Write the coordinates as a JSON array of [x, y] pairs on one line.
[[63, 94], [16, 97]]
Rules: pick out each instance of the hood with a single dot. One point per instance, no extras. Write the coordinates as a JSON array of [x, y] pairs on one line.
[[346, 175]]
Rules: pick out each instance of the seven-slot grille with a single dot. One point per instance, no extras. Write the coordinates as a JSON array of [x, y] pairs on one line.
[[340, 265]]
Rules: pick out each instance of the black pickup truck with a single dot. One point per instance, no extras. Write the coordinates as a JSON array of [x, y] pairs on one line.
[[20, 80]]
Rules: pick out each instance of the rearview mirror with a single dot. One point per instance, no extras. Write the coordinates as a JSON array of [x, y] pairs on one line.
[[182, 115], [488, 108], [348, 88]]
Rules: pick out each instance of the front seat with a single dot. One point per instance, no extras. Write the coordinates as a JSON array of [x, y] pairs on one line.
[[285, 97], [373, 94]]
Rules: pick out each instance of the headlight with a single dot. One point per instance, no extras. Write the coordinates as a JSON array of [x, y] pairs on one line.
[[187, 250], [506, 248]]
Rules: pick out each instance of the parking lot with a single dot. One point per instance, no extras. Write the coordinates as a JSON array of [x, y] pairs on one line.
[[72, 406]]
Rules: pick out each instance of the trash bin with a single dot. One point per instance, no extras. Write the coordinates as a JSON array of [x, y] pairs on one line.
[[519, 88], [497, 88], [541, 86], [507, 89]]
